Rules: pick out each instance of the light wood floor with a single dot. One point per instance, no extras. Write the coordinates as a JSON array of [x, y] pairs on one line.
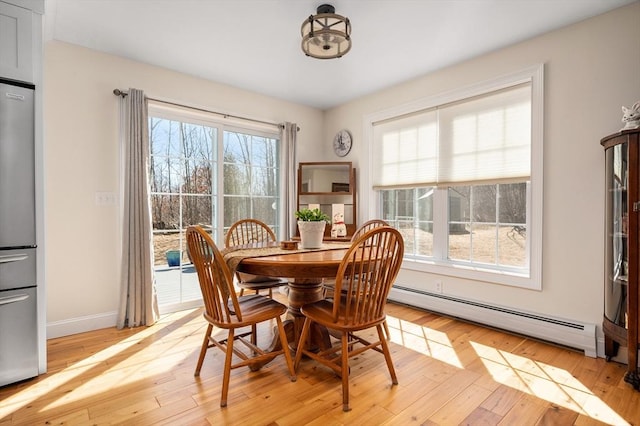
[[450, 372]]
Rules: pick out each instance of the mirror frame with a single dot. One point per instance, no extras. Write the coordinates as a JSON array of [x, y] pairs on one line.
[[327, 165]]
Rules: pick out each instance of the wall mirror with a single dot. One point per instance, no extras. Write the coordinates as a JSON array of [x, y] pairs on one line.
[[325, 178]]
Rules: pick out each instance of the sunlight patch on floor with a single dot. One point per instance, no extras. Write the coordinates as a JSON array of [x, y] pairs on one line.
[[546, 382], [75, 370], [128, 361], [541, 380], [140, 365], [424, 340]]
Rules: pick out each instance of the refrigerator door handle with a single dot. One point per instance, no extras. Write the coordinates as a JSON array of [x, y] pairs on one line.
[[13, 258], [15, 96], [13, 299]]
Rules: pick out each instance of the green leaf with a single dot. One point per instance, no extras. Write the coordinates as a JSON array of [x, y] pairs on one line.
[[315, 215]]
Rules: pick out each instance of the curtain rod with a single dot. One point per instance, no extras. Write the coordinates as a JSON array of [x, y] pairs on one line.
[[124, 93]]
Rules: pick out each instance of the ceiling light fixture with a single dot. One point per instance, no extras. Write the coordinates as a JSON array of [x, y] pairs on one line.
[[326, 35]]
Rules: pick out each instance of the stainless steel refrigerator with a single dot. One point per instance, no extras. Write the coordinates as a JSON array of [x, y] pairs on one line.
[[18, 284]]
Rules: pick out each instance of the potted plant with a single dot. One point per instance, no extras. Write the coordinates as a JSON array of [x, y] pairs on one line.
[[173, 257], [311, 224]]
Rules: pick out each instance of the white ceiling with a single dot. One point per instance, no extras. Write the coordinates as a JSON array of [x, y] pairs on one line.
[[255, 44]]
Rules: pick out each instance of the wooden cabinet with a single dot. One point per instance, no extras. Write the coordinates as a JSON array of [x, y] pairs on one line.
[[622, 251], [16, 42], [326, 184]]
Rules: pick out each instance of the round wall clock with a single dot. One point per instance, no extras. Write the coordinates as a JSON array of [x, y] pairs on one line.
[[342, 143]]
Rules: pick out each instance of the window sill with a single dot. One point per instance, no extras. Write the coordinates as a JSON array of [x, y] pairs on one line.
[[475, 273]]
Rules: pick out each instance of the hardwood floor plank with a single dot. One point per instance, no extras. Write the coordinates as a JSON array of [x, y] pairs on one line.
[[627, 404], [502, 400], [460, 406], [556, 415], [163, 413], [73, 418], [406, 395], [449, 372], [362, 413], [525, 412], [322, 407], [435, 399], [122, 412], [481, 417]]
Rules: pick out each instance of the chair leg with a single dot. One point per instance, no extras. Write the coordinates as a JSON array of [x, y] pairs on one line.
[[270, 293], [241, 291], [203, 350], [386, 330], [254, 334], [227, 368], [387, 355], [285, 348], [303, 340], [345, 372]]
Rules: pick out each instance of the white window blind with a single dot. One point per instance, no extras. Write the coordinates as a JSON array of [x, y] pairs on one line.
[[481, 139]]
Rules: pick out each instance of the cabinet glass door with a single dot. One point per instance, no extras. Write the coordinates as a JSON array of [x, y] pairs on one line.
[[616, 251]]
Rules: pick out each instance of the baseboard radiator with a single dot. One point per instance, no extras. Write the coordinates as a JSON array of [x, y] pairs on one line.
[[580, 336]]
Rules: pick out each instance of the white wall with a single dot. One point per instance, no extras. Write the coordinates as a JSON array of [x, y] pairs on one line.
[[81, 158], [591, 69]]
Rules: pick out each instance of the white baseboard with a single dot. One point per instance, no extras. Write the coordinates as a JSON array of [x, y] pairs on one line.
[[600, 347], [81, 324], [556, 330]]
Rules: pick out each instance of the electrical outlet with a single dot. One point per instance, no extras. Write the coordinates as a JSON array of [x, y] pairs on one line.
[[103, 198], [438, 286]]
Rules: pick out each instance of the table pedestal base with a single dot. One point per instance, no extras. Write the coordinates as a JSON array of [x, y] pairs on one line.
[[301, 292]]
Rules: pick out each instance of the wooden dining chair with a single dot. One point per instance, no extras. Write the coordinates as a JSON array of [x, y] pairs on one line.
[[248, 231], [364, 279], [328, 285], [367, 226], [225, 310]]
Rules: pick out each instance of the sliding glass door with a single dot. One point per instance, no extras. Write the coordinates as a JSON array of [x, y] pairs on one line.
[[182, 175], [208, 174]]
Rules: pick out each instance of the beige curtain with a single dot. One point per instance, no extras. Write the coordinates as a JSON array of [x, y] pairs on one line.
[[138, 302], [288, 138]]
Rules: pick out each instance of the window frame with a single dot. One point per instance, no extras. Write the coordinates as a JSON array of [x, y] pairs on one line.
[[277, 226], [199, 117], [532, 279]]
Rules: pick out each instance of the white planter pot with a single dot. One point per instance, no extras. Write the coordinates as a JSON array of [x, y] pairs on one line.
[[311, 234]]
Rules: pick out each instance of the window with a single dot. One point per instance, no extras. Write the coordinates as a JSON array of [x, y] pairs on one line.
[[207, 173], [461, 177], [251, 178]]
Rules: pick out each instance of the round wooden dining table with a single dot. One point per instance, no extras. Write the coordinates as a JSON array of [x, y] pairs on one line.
[[305, 271]]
